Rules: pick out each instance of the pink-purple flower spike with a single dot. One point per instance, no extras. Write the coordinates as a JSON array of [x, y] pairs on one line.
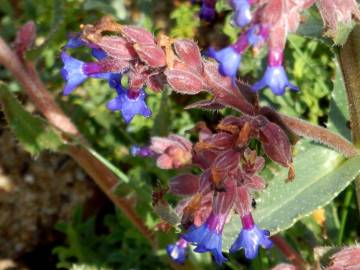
[[228, 167]]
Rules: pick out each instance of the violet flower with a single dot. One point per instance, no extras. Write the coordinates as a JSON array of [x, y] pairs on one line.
[[208, 237], [74, 42], [257, 34], [177, 251], [207, 11], [242, 14], [275, 76], [73, 72], [229, 58], [250, 238], [144, 151], [130, 103]]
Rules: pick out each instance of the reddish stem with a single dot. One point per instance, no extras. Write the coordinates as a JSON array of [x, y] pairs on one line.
[[322, 135], [29, 79], [290, 253]]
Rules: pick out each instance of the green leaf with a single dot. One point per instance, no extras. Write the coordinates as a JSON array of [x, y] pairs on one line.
[[342, 32], [339, 111], [321, 174], [312, 26], [33, 132]]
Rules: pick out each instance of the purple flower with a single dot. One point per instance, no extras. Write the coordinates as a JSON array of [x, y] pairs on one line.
[[250, 238], [275, 77], [242, 14], [76, 72], [74, 42], [98, 53], [207, 12], [257, 34], [130, 103], [208, 237], [145, 151], [73, 72], [177, 251], [229, 60]]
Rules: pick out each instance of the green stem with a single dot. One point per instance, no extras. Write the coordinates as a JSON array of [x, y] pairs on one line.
[[344, 215], [350, 66]]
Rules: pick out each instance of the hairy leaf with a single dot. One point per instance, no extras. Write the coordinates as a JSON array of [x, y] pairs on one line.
[[321, 174], [33, 132], [339, 112]]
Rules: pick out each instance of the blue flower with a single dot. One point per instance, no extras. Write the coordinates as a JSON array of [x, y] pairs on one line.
[[130, 103], [98, 53], [177, 251], [229, 60], [256, 35], [207, 12], [242, 14], [72, 72], [76, 72], [74, 42], [136, 150], [275, 77], [250, 239], [208, 237]]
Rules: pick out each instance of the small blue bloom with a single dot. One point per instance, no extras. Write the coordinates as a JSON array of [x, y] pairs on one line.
[[72, 72], [255, 36], [250, 239], [74, 42], [177, 251], [208, 238], [242, 14], [136, 150], [275, 77], [207, 12], [129, 105], [98, 53], [229, 60]]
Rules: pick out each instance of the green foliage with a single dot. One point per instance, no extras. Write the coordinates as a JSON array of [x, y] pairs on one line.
[[111, 242], [33, 132], [109, 245], [282, 204], [339, 111], [186, 21]]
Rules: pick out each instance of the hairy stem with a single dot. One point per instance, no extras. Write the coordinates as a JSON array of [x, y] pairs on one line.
[[321, 135], [28, 78], [290, 253], [350, 66]]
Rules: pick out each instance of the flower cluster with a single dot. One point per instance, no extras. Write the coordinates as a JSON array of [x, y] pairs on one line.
[[135, 54], [229, 177], [131, 56], [268, 22]]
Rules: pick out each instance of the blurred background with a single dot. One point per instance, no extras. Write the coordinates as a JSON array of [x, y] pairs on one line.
[[52, 215]]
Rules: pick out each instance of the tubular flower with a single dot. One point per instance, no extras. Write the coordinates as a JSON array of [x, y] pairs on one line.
[[208, 237], [275, 76], [242, 14], [130, 103], [229, 58], [250, 238], [73, 72], [177, 251]]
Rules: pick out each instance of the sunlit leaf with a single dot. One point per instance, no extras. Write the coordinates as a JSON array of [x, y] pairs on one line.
[[33, 132], [321, 174]]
